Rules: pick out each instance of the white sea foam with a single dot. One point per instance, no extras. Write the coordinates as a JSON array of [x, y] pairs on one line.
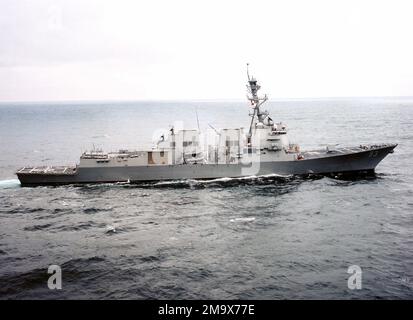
[[218, 180], [9, 184], [243, 219], [254, 177], [110, 229]]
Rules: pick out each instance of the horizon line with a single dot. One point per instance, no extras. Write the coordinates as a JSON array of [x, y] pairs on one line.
[[198, 99]]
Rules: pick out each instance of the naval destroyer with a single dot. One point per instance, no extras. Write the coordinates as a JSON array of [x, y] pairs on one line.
[[263, 149]]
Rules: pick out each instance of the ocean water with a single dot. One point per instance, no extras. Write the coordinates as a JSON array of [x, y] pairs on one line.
[[253, 238]]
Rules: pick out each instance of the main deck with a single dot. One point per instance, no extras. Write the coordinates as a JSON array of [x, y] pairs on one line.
[[48, 170]]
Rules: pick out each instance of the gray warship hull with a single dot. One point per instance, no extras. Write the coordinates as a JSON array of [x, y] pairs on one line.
[[340, 161], [228, 153]]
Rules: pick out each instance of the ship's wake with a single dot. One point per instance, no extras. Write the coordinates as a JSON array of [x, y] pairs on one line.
[[9, 184], [270, 179], [198, 183], [219, 182]]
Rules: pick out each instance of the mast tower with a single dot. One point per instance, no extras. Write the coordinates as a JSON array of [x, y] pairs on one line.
[[256, 101]]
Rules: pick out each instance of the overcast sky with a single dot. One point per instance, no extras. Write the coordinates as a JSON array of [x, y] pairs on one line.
[[127, 50]]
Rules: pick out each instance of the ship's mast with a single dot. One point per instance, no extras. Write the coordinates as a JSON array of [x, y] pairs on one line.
[[255, 102]]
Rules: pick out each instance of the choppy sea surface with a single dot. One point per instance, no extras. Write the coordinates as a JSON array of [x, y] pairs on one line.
[[252, 238]]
